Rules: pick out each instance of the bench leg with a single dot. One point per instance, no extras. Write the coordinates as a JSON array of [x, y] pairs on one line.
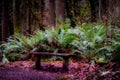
[[65, 63], [38, 62]]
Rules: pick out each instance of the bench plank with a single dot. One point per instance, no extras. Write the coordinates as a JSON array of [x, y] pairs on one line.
[[51, 54]]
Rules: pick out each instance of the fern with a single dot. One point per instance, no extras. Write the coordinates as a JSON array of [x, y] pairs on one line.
[[91, 40]]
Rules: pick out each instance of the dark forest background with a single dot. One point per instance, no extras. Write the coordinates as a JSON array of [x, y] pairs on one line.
[[25, 16]]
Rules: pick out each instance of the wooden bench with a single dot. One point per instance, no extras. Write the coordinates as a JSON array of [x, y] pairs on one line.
[[63, 55]]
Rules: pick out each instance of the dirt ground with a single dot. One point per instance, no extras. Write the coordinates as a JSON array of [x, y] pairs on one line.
[[24, 70]]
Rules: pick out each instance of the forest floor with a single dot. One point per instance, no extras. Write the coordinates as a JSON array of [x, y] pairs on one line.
[[23, 70]]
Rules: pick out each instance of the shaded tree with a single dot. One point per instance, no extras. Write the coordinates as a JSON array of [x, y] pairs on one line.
[[60, 11], [0, 21], [49, 13], [114, 11], [94, 5], [70, 11], [6, 20]]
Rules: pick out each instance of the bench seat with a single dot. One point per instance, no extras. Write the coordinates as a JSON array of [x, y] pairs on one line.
[[65, 57]]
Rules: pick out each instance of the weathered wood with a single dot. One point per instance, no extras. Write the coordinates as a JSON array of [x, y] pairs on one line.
[[52, 54], [63, 55], [38, 62], [65, 63]]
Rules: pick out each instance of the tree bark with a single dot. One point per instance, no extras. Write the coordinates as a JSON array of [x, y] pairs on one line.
[[5, 20], [0, 21], [70, 11], [17, 16], [114, 11], [100, 7], [49, 13], [94, 10], [60, 11], [24, 16]]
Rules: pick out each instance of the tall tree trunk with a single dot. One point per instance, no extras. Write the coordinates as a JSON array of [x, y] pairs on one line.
[[103, 11], [49, 13], [14, 13], [10, 18], [0, 21], [24, 17], [68, 8], [42, 8], [30, 21], [24, 24], [70, 11], [17, 16], [114, 11], [52, 13], [94, 10], [5, 23], [100, 7], [60, 11]]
